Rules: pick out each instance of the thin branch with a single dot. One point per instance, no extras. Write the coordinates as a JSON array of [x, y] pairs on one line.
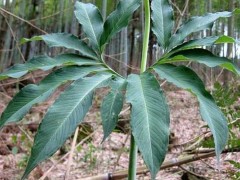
[[167, 164], [120, 153], [24, 132], [221, 72], [131, 67], [14, 38], [124, 111], [17, 17], [52, 15], [190, 172], [7, 96], [18, 48], [70, 158], [181, 13], [25, 77]]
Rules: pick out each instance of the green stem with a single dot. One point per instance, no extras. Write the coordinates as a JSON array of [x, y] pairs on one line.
[[108, 67], [146, 35], [132, 169]]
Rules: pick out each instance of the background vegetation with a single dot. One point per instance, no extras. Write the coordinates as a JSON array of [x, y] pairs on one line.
[[24, 18]]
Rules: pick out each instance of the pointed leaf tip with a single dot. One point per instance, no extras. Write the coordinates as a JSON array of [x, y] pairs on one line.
[[205, 57], [91, 20], [118, 19], [149, 119], [64, 40], [162, 18], [112, 105], [195, 24]]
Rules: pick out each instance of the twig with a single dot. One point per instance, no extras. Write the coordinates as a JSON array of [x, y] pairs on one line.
[[174, 5], [24, 132], [131, 67], [7, 96], [124, 111], [18, 48], [27, 76], [11, 14], [120, 153], [14, 38], [190, 172], [180, 12], [2, 105], [163, 83], [218, 76], [7, 50], [210, 166], [71, 154], [167, 164], [50, 16], [201, 151], [195, 142], [190, 143]]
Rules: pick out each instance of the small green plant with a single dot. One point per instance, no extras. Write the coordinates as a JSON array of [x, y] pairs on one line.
[[90, 157], [236, 174], [88, 71], [23, 162], [227, 98]]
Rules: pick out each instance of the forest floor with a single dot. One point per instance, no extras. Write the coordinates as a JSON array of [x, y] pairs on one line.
[[92, 157]]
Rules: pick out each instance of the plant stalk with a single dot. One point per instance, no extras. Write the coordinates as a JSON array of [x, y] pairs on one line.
[[132, 168], [146, 35]]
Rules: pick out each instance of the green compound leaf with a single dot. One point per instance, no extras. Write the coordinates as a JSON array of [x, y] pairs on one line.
[[149, 119], [162, 18], [32, 94], [91, 20], [186, 78], [62, 118]]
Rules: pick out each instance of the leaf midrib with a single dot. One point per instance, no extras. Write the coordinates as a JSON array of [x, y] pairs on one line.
[[201, 101], [90, 22], [163, 28], [111, 107], [145, 105]]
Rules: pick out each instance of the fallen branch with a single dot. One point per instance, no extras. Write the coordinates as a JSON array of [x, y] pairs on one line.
[[167, 164]]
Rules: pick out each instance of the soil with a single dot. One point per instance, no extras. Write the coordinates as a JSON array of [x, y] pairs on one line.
[[92, 157]]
